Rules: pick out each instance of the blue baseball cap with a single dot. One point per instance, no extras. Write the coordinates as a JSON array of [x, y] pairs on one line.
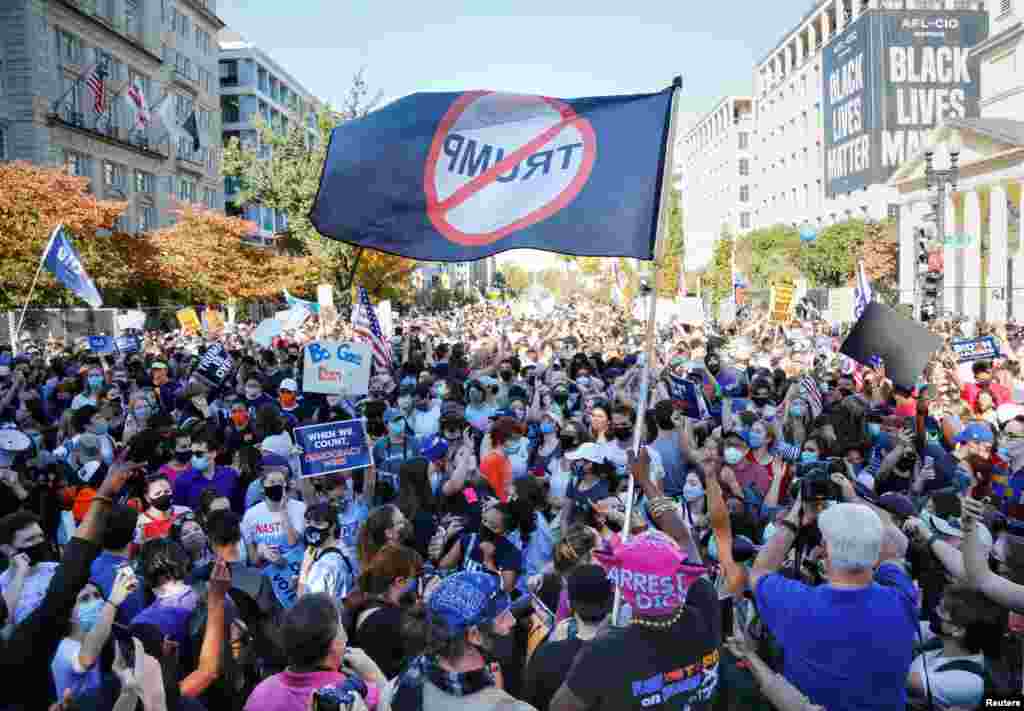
[[467, 599], [974, 432]]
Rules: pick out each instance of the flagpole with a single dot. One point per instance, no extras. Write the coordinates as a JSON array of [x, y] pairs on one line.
[[645, 380], [35, 280], [88, 70]]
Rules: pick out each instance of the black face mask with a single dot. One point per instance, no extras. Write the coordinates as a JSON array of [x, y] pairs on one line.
[[39, 553], [487, 535], [274, 493], [713, 366], [567, 442], [560, 397], [183, 457], [315, 537], [623, 433], [666, 424], [161, 503], [506, 375], [762, 401]]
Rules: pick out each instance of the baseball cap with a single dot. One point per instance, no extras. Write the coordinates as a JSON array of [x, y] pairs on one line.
[[588, 451], [896, 504], [158, 365], [290, 385], [974, 432], [468, 599]]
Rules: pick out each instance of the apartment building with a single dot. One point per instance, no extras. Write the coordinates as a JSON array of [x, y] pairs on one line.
[[715, 176], [254, 85], [48, 117]]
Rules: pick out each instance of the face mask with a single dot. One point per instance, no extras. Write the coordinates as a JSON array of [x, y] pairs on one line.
[[274, 492], [692, 492], [39, 553], [252, 393], [511, 448], [315, 536], [519, 413], [796, 411], [101, 428], [404, 402], [240, 418], [506, 375], [423, 406], [623, 433], [408, 381], [583, 381], [733, 455], [397, 427], [475, 396], [95, 382], [858, 468], [546, 428], [755, 440], [89, 614], [141, 413], [874, 429], [194, 543], [183, 456], [200, 464], [161, 503], [808, 457]]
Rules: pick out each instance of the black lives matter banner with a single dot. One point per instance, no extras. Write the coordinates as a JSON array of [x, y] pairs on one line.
[[888, 80]]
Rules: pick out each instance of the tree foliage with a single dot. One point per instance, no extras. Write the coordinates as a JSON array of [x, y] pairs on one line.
[[768, 254], [516, 277], [719, 278], [670, 263], [831, 259]]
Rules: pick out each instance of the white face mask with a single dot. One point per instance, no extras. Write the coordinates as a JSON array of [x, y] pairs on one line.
[[733, 455], [693, 492]]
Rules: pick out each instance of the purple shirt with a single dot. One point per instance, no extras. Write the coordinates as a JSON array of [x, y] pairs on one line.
[[291, 691], [191, 484]]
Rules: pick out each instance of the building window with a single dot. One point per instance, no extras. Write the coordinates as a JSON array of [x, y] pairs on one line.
[[268, 219], [3, 143], [69, 47], [744, 140], [229, 108], [77, 164], [744, 193], [1005, 6], [744, 220], [229, 73], [263, 84], [144, 182], [131, 16], [183, 26], [147, 218], [113, 175], [744, 166], [265, 112], [186, 190]]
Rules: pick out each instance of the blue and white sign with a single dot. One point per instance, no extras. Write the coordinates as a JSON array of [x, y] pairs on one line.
[[61, 259], [333, 447], [101, 344], [974, 349], [127, 344], [337, 368]]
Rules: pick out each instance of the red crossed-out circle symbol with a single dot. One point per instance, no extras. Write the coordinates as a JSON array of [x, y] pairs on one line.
[[502, 162]]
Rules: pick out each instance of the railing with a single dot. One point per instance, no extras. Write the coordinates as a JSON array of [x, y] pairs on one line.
[[187, 154], [104, 125]]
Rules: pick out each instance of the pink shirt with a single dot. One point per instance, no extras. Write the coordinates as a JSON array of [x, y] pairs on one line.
[[291, 691], [749, 472]]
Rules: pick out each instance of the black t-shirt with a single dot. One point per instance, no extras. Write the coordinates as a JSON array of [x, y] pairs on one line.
[[547, 670], [506, 555], [380, 636], [638, 668]]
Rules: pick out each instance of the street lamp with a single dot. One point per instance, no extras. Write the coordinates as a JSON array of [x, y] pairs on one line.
[[937, 180]]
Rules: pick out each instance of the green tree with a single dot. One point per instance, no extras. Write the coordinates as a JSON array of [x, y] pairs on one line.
[[719, 276], [517, 279], [831, 259], [771, 253], [288, 181]]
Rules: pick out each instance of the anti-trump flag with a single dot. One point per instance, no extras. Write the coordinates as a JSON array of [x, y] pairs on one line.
[[458, 177], [61, 260]]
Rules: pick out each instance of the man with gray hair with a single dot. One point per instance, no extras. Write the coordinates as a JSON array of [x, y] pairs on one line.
[[848, 644]]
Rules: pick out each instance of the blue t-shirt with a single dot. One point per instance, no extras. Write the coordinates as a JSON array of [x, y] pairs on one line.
[[102, 573], [388, 457], [846, 649]]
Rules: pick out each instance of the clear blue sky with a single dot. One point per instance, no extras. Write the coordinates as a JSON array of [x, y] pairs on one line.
[[562, 48]]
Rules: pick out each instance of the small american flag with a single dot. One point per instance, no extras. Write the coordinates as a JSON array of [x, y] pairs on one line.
[[810, 391], [96, 81], [366, 329]]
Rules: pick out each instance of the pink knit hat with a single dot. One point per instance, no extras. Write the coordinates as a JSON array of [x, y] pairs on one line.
[[652, 573]]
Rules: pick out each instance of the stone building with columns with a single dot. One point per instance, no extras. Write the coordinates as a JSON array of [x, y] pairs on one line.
[[985, 279]]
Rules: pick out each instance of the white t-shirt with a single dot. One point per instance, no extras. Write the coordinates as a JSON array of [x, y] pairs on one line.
[[33, 591], [427, 423], [261, 526], [951, 688]]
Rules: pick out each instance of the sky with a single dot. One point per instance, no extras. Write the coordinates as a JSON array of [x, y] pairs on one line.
[[561, 48]]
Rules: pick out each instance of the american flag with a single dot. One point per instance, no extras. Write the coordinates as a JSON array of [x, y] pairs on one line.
[[367, 330], [96, 81], [810, 390], [138, 100], [862, 294]]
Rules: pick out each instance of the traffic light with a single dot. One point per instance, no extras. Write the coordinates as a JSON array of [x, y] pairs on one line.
[[922, 248], [932, 281]]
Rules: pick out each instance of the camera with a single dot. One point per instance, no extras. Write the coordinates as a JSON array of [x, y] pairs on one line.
[[339, 697], [816, 480]]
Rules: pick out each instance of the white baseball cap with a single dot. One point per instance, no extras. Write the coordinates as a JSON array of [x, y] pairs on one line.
[[290, 385]]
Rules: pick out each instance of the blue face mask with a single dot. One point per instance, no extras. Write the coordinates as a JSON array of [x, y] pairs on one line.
[[755, 440], [858, 468], [200, 464], [141, 413], [874, 429], [95, 382], [796, 411], [101, 428], [1003, 453], [808, 457], [546, 428], [511, 448], [397, 427], [89, 614]]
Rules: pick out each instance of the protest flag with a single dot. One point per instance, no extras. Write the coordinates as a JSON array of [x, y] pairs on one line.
[[366, 328], [455, 177]]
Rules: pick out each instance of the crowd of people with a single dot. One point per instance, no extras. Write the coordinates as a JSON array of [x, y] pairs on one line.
[[803, 533]]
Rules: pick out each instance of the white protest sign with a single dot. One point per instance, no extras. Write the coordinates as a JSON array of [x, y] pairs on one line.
[[325, 295], [691, 310], [386, 319], [336, 368], [727, 311], [132, 319], [266, 332], [293, 318]]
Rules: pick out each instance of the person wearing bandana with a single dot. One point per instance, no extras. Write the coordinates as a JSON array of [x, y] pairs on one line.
[[468, 614]]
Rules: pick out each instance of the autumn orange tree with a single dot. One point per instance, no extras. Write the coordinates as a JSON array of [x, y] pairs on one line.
[[34, 200]]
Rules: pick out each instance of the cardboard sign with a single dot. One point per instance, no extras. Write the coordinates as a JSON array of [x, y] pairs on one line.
[[189, 320], [132, 320], [266, 332], [783, 301], [333, 447], [216, 365], [128, 344], [336, 368], [386, 319], [691, 310], [985, 348], [325, 295], [903, 345], [293, 318], [841, 302], [101, 344], [214, 322]]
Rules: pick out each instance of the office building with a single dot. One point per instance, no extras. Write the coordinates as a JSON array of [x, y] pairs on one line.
[[714, 162], [252, 84], [49, 116]]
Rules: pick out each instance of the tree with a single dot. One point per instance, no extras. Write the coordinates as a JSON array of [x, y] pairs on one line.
[[33, 201], [831, 259], [517, 279], [880, 253], [773, 253], [670, 264], [719, 277], [289, 180]]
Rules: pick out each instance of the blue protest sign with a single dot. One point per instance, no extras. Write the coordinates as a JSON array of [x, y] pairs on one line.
[[127, 344], [972, 349], [101, 344], [333, 447]]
